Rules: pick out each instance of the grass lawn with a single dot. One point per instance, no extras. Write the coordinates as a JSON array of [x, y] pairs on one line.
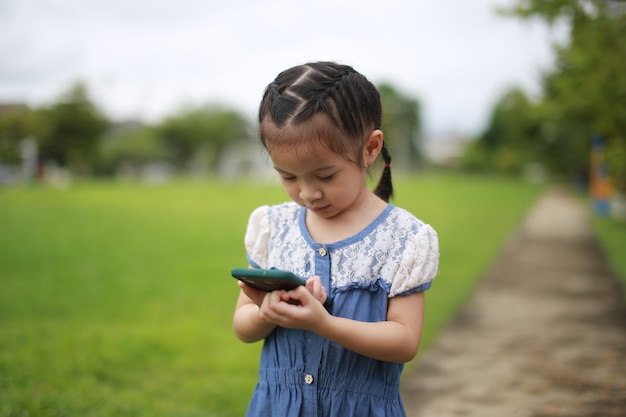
[[612, 235], [116, 300]]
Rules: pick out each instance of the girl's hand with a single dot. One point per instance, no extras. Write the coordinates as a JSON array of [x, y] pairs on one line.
[[315, 287], [254, 294], [294, 309]]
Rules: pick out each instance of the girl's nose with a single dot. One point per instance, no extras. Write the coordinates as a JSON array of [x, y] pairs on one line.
[[310, 193]]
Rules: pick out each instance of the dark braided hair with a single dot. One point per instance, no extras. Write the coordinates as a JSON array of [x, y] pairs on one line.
[[306, 97], [384, 189]]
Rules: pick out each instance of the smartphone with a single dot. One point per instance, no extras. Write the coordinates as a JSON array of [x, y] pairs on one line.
[[271, 279]]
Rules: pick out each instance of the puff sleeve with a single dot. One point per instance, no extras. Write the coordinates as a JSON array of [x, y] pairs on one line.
[[257, 237], [419, 263]]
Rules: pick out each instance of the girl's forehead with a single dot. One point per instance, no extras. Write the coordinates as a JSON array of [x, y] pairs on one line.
[[304, 152], [300, 142]]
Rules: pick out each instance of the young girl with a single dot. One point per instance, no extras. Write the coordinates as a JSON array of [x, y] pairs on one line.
[[320, 124]]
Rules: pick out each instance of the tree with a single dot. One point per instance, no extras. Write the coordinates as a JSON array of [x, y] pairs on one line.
[[16, 124], [129, 144], [512, 121], [401, 126], [586, 94], [68, 130], [511, 140], [203, 130]]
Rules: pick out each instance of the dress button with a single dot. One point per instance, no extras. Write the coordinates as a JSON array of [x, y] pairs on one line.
[[322, 251], [308, 379]]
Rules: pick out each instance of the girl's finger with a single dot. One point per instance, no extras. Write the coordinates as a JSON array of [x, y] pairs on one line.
[[316, 288]]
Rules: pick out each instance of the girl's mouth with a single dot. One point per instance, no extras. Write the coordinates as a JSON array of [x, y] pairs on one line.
[[318, 209]]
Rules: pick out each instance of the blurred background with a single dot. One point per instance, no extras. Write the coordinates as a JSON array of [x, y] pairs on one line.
[[148, 90]]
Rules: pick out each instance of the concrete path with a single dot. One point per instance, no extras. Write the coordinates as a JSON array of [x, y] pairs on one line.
[[543, 335]]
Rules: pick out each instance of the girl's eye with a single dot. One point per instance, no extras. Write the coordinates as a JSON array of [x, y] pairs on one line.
[[288, 178], [327, 178]]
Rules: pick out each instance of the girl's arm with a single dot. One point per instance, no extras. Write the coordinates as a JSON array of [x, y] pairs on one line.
[[248, 326], [394, 340]]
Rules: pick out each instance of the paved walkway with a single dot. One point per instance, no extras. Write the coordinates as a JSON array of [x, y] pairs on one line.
[[543, 335]]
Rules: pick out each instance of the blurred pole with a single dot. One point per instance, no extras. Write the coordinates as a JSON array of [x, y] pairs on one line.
[[28, 153]]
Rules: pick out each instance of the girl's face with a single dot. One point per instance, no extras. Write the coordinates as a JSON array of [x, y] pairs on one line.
[[324, 182]]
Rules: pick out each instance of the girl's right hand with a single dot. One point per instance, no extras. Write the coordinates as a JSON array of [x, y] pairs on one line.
[[254, 294]]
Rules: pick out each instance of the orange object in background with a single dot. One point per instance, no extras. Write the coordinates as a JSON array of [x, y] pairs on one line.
[[599, 178]]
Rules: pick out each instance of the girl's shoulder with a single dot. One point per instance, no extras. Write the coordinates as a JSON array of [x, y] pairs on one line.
[[402, 218], [417, 252], [409, 231], [287, 209], [263, 222], [264, 218]]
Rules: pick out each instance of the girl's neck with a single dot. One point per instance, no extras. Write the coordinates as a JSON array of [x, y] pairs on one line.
[[345, 224]]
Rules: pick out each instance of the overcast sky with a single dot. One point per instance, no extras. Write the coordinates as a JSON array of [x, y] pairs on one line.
[[145, 58]]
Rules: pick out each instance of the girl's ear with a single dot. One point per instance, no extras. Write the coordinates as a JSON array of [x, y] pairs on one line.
[[373, 146]]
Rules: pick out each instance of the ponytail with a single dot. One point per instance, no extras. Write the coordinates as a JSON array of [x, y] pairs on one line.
[[384, 189]]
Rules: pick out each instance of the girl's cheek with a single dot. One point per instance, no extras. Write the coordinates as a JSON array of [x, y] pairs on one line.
[[292, 192]]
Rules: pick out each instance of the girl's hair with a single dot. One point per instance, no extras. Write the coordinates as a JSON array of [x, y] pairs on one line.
[[307, 97]]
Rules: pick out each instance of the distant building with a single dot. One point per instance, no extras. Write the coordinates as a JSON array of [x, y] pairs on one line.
[[245, 160], [445, 150], [122, 127], [13, 107]]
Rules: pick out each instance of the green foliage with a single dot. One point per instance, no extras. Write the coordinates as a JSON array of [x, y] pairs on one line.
[[73, 133], [550, 10], [615, 157], [68, 130], [401, 126], [117, 301], [16, 124], [204, 129], [512, 120], [511, 140], [586, 94], [132, 147], [475, 157]]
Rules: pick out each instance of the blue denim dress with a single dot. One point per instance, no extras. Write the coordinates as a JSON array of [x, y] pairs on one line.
[[303, 374]]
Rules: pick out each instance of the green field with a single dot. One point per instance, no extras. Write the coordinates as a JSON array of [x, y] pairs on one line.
[[612, 236], [116, 300]]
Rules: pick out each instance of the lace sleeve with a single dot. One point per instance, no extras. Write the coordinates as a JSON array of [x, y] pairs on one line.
[[257, 237], [419, 263]]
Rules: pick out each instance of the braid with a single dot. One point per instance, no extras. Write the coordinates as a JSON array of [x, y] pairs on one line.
[[279, 103], [384, 189]]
